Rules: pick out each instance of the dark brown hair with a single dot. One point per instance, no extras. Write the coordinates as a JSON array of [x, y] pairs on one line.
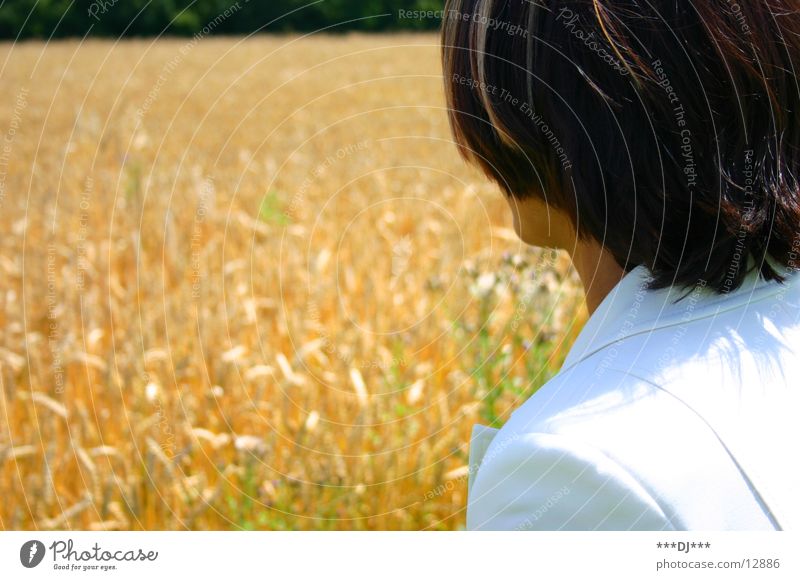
[[666, 130]]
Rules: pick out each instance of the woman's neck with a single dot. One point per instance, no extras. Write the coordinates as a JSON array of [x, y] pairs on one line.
[[598, 271]]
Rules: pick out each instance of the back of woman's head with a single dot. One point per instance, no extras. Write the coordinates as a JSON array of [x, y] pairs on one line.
[[666, 130]]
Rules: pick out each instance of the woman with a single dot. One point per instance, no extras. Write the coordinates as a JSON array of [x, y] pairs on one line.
[[656, 142]]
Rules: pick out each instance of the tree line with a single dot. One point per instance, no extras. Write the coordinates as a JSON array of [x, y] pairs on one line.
[[21, 19]]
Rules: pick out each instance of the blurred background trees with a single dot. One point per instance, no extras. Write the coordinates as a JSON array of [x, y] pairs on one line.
[[114, 18]]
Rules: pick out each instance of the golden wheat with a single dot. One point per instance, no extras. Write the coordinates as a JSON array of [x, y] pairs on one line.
[[249, 284]]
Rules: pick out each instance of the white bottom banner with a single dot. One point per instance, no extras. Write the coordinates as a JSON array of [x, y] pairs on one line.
[[416, 555]]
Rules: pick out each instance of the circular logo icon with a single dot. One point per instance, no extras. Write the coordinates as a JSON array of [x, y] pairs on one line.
[[31, 553]]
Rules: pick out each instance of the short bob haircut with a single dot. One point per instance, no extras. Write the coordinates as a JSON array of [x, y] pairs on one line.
[[668, 131]]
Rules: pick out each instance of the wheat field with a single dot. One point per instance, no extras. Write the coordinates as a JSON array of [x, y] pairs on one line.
[[249, 284]]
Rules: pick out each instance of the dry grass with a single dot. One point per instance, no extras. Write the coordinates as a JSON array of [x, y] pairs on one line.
[[279, 301]]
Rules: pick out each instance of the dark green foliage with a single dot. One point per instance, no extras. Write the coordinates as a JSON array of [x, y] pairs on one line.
[[77, 18]]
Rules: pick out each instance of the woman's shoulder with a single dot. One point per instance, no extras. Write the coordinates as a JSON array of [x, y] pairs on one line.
[[617, 432], [694, 404]]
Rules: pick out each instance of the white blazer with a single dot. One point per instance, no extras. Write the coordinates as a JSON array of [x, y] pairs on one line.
[[665, 416]]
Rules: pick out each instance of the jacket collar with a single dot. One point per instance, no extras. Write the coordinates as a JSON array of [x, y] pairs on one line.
[[630, 308]]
